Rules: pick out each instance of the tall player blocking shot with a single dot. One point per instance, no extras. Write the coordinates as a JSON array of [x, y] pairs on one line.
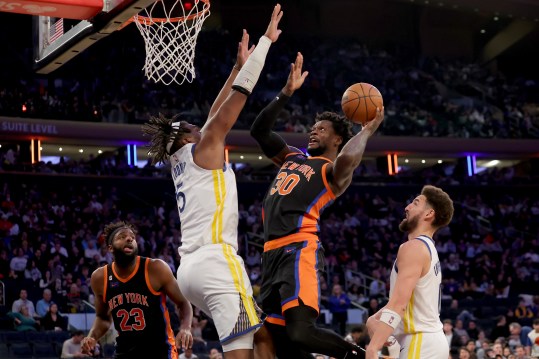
[[132, 293], [211, 274]]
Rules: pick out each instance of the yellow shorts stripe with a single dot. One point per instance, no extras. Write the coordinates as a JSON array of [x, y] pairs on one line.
[[217, 237], [218, 205]]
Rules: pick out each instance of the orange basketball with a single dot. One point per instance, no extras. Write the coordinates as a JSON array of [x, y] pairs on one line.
[[359, 102]]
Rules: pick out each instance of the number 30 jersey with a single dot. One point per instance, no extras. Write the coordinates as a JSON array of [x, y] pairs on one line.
[[207, 202], [297, 197], [139, 313]]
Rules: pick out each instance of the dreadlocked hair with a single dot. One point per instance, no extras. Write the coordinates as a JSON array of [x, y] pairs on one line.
[[161, 132], [341, 125], [112, 228]]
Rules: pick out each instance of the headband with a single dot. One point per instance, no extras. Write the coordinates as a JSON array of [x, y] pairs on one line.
[[175, 126], [115, 232]]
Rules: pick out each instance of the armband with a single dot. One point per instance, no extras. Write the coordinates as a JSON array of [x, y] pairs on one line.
[[250, 72], [390, 317]]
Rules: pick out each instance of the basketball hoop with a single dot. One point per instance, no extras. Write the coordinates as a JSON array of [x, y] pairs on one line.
[[170, 34]]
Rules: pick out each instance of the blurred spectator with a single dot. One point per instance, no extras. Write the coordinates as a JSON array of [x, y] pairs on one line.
[[338, 306], [42, 306], [72, 347], [464, 353], [519, 336], [452, 339], [501, 330], [23, 301], [523, 310], [374, 306], [18, 263], [215, 354], [188, 354], [52, 320], [23, 321], [533, 336]]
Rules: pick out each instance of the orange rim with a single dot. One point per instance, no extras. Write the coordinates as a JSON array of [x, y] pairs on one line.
[[145, 20]]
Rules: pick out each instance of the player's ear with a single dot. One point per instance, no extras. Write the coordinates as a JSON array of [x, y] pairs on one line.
[[338, 140], [430, 214]]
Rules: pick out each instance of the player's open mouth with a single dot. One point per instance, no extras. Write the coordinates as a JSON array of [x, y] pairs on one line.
[[312, 141], [128, 249]]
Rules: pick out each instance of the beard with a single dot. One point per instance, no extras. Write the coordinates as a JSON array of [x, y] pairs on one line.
[[316, 151], [408, 225], [122, 259]]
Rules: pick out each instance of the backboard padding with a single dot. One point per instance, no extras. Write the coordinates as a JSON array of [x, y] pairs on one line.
[[50, 56]]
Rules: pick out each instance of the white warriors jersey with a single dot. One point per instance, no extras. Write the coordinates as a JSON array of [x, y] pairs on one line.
[[207, 202], [422, 314]]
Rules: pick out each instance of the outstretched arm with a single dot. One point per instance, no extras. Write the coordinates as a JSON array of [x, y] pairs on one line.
[[160, 272], [243, 53], [103, 318], [351, 154], [273, 145], [209, 153], [412, 259]]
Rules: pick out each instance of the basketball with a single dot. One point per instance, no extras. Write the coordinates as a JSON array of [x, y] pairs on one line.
[[359, 102]]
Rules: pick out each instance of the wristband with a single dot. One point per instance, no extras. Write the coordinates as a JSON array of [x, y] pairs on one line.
[[390, 317]]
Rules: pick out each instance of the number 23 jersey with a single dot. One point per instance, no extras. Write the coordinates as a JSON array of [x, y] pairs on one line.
[[297, 196], [139, 313]]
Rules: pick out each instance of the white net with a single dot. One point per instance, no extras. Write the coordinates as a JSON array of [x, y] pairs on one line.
[[170, 34]]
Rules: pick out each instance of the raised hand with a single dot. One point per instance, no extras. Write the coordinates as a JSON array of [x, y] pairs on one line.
[[296, 77], [372, 125], [243, 50], [272, 31]]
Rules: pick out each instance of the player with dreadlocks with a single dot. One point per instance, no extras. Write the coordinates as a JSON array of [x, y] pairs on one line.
[[132, 293], [211, 274]]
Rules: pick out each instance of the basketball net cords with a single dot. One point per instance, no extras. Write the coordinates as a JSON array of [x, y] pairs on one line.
[[170, 45]]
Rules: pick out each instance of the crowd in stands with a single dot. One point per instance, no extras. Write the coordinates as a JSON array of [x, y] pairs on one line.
[[50, 232], [425, 96], [51, 242]]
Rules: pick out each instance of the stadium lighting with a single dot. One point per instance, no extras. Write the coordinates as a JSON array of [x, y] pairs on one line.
[[492, 163]]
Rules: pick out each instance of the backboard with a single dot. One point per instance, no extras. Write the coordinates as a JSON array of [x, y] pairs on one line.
[[65, 28]]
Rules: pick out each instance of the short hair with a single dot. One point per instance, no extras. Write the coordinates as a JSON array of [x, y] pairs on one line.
[[448, 321], [112, 228], [161, 132], [76, 333], [341, 125], [536, 321], [441, 203], [515, 325]]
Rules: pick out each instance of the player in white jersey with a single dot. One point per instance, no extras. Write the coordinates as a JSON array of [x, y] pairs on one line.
[[412, 314], [211, 273]]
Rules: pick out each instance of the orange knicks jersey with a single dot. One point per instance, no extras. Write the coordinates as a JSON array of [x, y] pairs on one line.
[[297, 197]]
